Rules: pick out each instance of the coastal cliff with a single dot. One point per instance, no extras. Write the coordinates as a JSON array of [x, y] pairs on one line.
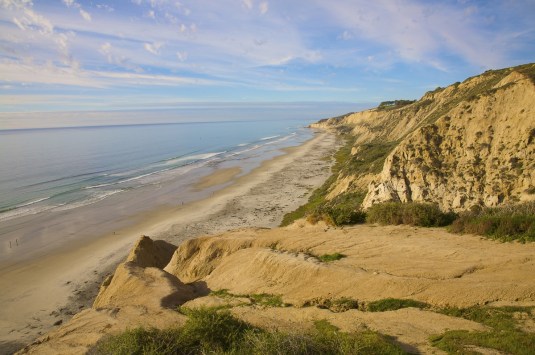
[[470, 144], [420, 290]]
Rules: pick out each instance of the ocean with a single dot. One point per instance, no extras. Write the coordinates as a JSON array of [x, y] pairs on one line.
[[58, 169]]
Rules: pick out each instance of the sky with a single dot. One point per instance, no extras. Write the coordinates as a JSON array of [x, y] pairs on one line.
[[78, 55]]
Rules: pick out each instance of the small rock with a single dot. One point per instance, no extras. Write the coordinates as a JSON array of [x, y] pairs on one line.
[[58, 322]]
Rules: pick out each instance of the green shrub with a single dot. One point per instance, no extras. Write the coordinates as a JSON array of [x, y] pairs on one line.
[[210, 331], [414, 214], [268, 300], [515, 222], [326, 258], [500, 318], [337, 215], [205, 329], [317, 342], [392, 304], [141, 341], [505, 334], [335, 305], [458, 341]]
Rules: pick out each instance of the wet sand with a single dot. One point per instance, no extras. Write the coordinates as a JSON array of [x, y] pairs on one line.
[[47, 290], [220, 177]]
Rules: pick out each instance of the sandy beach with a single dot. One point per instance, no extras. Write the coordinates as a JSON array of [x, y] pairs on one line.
[[43, 292]]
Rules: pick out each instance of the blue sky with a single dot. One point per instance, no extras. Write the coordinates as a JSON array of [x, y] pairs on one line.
[[75, 55]]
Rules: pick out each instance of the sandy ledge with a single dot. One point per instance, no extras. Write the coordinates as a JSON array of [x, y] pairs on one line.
[[45, 292]]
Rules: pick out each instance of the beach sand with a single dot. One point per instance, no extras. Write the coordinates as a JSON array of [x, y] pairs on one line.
[[220, 177], [43, 292]]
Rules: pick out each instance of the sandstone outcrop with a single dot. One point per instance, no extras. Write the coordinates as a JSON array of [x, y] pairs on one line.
[[138, 294], [428, 265], [470, 144]]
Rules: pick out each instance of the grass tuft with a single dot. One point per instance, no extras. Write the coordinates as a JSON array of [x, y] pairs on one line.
[[392, 304], [335, 305], [505, 334], [327, 258], [218, 332], [268, 300], [414, 214], [262, 299]]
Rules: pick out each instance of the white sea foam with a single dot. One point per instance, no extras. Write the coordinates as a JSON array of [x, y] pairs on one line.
[[268, 138], [32, 202], [95, 198], [194, 157], [24, 211]]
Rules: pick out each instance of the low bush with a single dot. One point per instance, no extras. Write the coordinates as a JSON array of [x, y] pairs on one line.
[[337, 215], [504, 335], [326, 258], [266, 299], [414, 214], [515, 222], [205, 330], [324, 339], [459, 341], [218, 332], [335, 305], [392, 304]]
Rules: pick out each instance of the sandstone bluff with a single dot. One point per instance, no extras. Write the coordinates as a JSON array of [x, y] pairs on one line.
[[470, 144]]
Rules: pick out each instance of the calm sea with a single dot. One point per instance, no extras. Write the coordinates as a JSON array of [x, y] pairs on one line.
[[59, 169]]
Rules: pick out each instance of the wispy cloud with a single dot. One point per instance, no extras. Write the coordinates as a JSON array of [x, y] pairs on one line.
[[273, 48], [153, 48], [264, 7], [420, 31], [85, 15]]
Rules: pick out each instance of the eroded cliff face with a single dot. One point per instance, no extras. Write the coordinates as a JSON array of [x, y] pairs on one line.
[[470, 144], [428, 265]]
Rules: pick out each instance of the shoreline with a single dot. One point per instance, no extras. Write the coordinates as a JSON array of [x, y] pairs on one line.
[[71, 276]]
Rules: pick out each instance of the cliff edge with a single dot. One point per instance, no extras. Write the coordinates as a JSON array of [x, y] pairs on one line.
[[278, 279]]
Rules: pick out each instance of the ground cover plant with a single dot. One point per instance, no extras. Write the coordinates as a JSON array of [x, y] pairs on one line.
[[515, 222], [262, 299], [412, 213], [218, 332], [392, 304], [505, 333], [326, 258]]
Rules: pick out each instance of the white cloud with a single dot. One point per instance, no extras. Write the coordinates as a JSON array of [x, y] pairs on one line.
[[248, 4], [85, 15], [182, 56], [416, 31], [26, 19], [105, 50], [153, 48], [105, 7], [346, 35], [45, 74], [70, 3], [50, 74], [264, 7]]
